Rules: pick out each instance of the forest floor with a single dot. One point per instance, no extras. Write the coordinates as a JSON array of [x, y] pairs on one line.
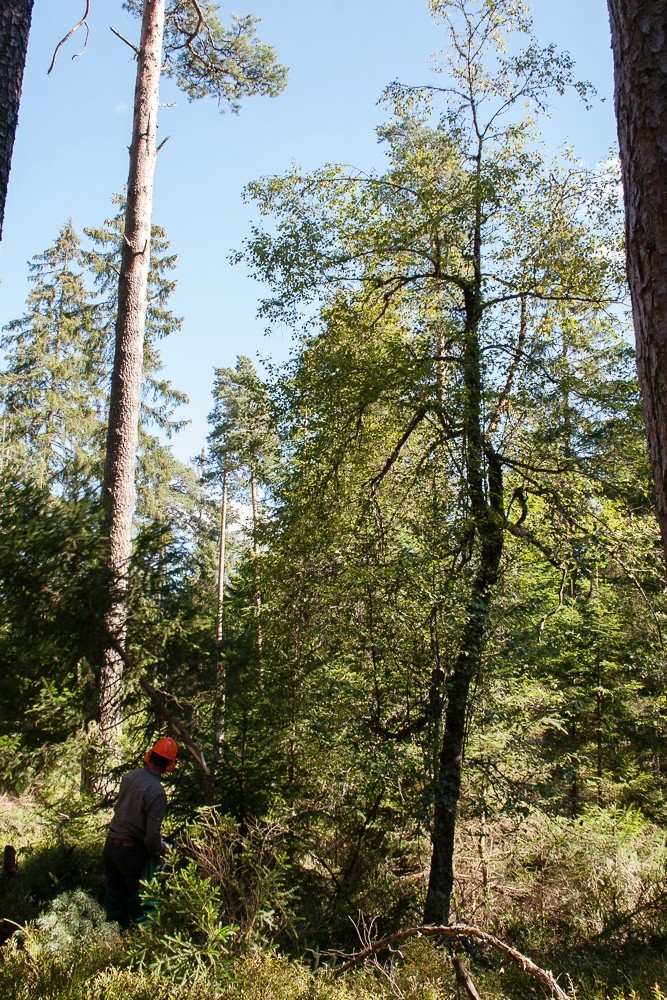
[[57, 944]]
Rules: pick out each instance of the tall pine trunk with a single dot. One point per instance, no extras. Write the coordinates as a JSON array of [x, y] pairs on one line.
[[639, 42], [123, 429], [15, 17]]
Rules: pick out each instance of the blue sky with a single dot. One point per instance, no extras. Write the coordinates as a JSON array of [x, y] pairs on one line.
[[71, 149]]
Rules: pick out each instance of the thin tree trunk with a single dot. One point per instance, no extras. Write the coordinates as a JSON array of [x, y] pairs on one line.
[[598, 720], [220, 692], [15, 18], [258, 593], [221, 563], [123, 429], [639, 42], [485, 491], [448, 782]]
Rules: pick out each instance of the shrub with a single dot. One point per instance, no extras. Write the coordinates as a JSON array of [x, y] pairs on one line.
[[601, 877], [248, 869], [57, 956], [185, 939]]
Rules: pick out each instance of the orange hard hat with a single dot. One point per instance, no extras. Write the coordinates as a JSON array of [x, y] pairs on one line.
[[167, 748]]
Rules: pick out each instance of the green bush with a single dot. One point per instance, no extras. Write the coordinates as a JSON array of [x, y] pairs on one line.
[[228, 896], [599, 878], [50, 963], [185, 939], [71, 918], [249, 871]]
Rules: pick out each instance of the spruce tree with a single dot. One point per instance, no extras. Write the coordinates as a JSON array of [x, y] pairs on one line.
[[53, 390]]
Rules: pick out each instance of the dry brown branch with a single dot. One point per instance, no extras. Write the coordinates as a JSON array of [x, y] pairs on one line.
[[178, 728], [12, 923], [161, 708], [131, 45], [83, 23], [463, 979], [455, 931]]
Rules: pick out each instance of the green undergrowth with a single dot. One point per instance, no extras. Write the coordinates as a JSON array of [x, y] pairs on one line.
[[97, 964], [583, 898]]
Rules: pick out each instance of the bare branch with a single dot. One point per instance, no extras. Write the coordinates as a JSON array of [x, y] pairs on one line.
[[456, 931], [414, 423], [200, 22], [520, 532], [6, 920], [561, 602], [503, 400], [135, 48], [80, 24]]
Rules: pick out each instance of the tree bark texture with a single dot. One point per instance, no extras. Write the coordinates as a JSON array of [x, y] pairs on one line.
[[639, 42], [450, 765], [15, 17], [484, 485], [125, 400]]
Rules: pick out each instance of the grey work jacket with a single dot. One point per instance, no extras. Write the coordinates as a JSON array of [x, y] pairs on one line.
[[140, 809]]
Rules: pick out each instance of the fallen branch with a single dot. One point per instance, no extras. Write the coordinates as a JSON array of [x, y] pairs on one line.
[[457, 931]]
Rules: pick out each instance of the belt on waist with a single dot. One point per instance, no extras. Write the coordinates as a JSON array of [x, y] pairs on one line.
[[123, 841]]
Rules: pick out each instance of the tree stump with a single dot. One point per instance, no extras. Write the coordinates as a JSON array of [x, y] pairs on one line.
[[9, 866]]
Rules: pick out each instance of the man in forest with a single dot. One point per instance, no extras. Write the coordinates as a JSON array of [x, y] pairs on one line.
[[134, 845]]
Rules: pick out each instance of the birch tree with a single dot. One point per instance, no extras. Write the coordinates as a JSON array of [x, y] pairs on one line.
[[501, 256]]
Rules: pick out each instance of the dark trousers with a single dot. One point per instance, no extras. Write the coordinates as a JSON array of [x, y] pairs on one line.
[[125, 867]]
